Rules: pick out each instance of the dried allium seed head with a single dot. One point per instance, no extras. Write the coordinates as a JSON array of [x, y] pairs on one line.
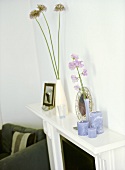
[[41, 8], [59, 7], [34, 14]]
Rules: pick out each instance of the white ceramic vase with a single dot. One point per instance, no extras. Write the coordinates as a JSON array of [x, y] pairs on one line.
[[60, 98]]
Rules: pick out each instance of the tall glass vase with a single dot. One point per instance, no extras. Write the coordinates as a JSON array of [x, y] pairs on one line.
[[60, 99]]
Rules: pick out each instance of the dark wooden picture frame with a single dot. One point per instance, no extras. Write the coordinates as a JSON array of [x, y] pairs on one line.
[[49, 95]]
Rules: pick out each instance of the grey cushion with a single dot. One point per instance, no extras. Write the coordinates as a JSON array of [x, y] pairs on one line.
[[7, 131], [3, 155], [35, 157], [0, 141], [21, 141]]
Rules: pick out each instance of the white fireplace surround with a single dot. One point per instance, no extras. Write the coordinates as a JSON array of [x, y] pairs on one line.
[[105, 148]]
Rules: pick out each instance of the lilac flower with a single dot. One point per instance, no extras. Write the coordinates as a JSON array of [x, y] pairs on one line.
[[77, 87], [74, 57], [78, 63], [84, 73], [72, 66], [81, 64], [74, 78]]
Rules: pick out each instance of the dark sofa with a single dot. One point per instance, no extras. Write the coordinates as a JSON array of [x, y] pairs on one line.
[[34, 157]]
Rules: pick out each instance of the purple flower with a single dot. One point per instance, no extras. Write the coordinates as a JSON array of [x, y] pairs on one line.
[[84, 73], [72, 66], [77, 87], [74, 78], [74, 57], [78, 63]]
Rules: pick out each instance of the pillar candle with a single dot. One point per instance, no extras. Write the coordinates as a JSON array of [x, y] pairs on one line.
[[96, 121], [83, 128]]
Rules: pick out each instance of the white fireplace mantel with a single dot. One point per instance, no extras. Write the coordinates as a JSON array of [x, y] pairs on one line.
[[103, 148]]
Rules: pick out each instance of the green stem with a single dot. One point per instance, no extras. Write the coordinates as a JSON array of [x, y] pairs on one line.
[[51, 41], [81, 83], [48, 49], [59, 48]]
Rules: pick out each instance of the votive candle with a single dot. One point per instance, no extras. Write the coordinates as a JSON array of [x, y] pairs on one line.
[[92, 133]]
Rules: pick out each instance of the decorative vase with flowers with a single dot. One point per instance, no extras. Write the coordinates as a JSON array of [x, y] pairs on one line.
[[83, 103], [60, 98]]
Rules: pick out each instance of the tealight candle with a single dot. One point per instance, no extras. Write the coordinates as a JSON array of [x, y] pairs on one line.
[[96, 121], [92, 132], [83, 128]]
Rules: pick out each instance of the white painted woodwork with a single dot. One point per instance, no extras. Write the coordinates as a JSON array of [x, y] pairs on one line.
[[103, 148]]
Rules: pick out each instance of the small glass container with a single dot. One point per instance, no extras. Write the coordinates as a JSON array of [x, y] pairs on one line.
[[62, 111]]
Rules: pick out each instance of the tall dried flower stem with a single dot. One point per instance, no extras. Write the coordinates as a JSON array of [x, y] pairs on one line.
[[59, 47], [51, 43], [55, 71]]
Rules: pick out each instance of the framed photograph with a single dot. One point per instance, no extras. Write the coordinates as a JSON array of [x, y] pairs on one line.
[[49, 95]]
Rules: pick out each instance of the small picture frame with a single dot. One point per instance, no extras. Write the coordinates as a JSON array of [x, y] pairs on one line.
[[49, 96]]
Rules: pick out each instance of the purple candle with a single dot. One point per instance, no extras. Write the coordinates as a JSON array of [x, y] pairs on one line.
[[96, 121], [83, 128], [92, 132]]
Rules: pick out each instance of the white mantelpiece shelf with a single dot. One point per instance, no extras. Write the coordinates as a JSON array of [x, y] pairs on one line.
[[97, 147]]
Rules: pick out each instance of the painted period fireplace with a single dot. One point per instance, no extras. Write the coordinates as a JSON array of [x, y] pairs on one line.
[[101, 152], [74, 158]]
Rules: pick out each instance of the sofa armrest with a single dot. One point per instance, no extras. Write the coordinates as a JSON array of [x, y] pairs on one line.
[[32, 158], [0, 141]]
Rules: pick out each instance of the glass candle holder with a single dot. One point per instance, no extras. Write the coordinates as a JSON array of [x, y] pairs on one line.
[[83, 128], [62, 111]]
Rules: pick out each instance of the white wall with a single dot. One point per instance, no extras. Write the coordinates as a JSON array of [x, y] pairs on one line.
[[20, 82], [0, 84], [97, 34], [93, 29]]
